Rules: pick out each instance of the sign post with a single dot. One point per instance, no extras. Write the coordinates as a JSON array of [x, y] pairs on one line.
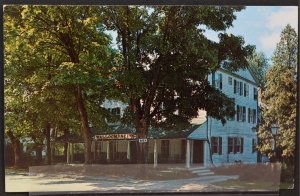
[[142, 140]]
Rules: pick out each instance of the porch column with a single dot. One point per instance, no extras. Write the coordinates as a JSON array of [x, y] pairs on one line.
[[99, 149], [68, 153], [95, 148], [128, 150], [107, 150], [155, 154], [192, 151], [72, 152], [188, 154]]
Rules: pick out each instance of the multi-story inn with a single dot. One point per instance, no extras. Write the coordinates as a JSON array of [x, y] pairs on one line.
[[233, 142]]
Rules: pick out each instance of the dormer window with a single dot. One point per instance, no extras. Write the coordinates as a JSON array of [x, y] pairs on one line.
[[116, 111]]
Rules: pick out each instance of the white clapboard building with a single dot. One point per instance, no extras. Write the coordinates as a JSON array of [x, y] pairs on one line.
[[230, 143]]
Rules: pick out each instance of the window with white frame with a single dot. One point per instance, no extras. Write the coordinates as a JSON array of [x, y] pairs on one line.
[[235, 145], [116, 111], [217, 80], [216, 145], [115, 115], [230, 80], [255, 93], [254, 116], [241, 113], [251, 115], [244, 114], [241, 88], [236, 87], [246, 90], [230, 144]]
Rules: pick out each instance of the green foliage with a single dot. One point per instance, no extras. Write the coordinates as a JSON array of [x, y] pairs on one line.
[[48, 51], [258, 64], [166, 59], [279, 99]]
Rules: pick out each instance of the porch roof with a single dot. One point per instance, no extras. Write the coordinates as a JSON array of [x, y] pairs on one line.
[[199, 133], [154, 133]]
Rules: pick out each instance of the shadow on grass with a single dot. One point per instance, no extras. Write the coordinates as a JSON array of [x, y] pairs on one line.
[[251, 176], [134, 171]]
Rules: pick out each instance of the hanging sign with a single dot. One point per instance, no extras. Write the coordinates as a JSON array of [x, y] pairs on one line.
[[142, 140], [115, 136]]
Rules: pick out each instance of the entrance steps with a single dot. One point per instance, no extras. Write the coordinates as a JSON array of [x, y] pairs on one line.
[[207, 176], [201, 171]]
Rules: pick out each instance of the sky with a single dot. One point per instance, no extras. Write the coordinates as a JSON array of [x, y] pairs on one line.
[[261, 26]]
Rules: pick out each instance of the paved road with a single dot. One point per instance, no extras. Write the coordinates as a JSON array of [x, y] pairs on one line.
[[47, 183]]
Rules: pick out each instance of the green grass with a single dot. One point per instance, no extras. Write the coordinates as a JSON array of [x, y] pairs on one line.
[[11, 170], [246, 185], [286, 185]]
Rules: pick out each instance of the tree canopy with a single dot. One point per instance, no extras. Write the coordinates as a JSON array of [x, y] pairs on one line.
[[166, 59], [160, 68], [258, 64], [279, 99], [67, 61]]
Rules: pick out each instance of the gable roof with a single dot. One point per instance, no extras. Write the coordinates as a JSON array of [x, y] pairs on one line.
[[237, 75], [154, 133], [199, 133]]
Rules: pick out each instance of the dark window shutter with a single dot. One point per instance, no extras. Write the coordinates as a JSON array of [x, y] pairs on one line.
[[213, 79], [238, 113], [220, 145], [249, 115], [241, 88], [244, 113], [230, 144], [255, 93], [220, 82], [234, 86], [254, 116], [242, 145]]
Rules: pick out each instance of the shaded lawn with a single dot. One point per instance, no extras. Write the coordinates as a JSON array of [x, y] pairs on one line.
[[253, 176], [137, 172], [14, 171], [252, 172]]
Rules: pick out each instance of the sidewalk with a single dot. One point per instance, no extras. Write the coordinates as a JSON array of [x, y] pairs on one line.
[[104, 178], [46, 183]]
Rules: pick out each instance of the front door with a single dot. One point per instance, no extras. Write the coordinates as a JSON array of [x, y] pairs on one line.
[[198, 151], [133, 151]]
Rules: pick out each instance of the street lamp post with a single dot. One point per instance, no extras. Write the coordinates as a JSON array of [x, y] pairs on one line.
[[274, 130]]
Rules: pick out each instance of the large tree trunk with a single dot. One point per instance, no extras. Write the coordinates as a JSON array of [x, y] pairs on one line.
[[66, 133], [84, 125], [48, 144], [142, 131], [17, 149], [53, 146], [65, 151], [39, 156]]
